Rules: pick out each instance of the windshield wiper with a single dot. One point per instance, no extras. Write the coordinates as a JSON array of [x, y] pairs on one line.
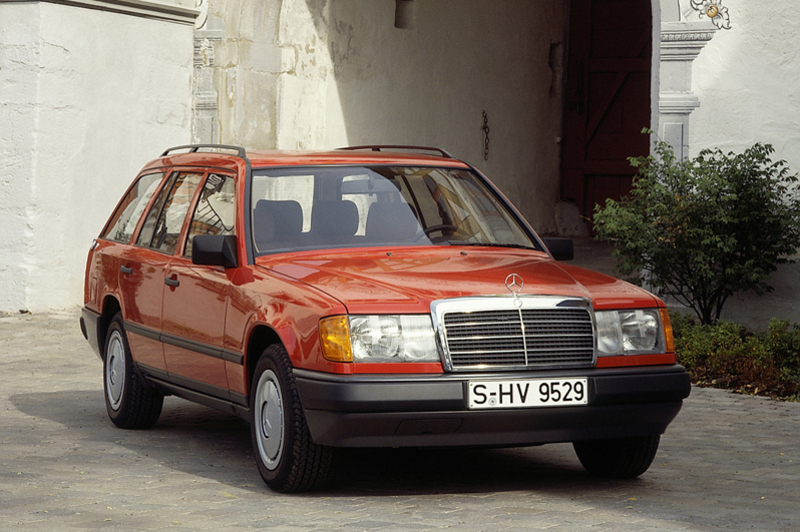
[[491, 244]]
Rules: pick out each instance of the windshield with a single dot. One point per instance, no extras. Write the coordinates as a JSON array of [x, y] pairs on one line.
[[332, 207]]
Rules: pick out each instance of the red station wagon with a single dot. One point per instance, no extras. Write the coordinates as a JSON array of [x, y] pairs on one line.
[[368, 297]]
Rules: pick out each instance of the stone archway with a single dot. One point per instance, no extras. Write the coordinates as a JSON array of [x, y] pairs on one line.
[[318, 74], [370, 79]]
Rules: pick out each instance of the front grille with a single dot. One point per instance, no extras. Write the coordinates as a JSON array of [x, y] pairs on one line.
[[524, 338]]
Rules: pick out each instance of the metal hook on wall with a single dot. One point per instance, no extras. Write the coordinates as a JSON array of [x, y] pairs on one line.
[[485, 130]]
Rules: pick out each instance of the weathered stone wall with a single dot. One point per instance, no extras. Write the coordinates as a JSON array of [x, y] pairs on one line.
[[239, 46], [88, 96], [314, 74]]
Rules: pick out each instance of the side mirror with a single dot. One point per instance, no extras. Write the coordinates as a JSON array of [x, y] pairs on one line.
[[215, 250], [560, 248]]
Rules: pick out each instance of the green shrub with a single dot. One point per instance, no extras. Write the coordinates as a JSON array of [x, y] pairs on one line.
[[705, 228], [726, 356], [783, 341]]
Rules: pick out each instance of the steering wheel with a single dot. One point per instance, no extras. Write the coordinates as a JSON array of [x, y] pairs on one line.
[[442, 228]]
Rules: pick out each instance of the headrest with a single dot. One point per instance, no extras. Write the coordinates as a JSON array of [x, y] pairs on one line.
[[277, 220], [391, 223], [334, 218]]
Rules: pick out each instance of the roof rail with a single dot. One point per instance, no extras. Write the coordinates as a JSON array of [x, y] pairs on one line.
[[381, 147], [194, 148]]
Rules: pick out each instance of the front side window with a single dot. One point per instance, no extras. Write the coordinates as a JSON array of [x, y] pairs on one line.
[[327, 207], [214, 214], [162, 227], [124, 220]]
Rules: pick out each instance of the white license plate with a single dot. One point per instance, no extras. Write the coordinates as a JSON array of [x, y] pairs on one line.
[[529, 393]]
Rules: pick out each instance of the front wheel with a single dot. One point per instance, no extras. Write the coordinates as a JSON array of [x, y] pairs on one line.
[[622, 458], [130, 402], [285, 454]]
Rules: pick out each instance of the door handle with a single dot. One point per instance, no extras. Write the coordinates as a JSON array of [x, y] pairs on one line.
[[126, 270], [172, 281]]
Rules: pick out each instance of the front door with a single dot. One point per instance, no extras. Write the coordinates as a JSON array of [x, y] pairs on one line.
[[196, 297], [607, 102]]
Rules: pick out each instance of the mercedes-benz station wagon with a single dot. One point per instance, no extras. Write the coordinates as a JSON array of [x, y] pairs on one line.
[[368, 297]]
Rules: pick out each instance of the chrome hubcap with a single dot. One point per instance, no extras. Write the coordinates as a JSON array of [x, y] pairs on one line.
[[269, 419], [115, 370]]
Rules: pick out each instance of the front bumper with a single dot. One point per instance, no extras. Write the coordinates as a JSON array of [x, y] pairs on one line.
[[424, 411]]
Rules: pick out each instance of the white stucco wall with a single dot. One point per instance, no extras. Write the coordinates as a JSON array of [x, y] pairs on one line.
[[87, 97], [748, 82]]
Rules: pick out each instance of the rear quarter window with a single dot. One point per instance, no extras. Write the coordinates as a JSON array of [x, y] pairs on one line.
[[124, 220]]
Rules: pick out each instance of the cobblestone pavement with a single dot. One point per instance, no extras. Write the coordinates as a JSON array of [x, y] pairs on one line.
[[727, 462]]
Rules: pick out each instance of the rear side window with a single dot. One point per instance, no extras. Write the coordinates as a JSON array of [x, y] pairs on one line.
[[163, 224], [127, 215]]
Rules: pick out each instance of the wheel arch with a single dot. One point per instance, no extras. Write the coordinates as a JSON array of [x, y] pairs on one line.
[[110, 308], [261, 337]]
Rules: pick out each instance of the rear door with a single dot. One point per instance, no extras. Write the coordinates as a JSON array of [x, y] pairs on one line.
[[143, 267], [116, 268]]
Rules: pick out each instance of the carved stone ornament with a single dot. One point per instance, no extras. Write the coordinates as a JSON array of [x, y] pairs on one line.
[[714, 10]]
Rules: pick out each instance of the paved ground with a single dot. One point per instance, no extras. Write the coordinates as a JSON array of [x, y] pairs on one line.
[[728, 462]]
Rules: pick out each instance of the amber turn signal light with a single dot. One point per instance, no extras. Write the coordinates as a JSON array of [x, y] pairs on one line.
[[669, 339], [334, 336]]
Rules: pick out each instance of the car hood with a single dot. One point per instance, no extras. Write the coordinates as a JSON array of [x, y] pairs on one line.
[[408, 280]]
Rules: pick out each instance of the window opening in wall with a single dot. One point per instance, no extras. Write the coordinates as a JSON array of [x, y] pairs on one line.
[[404, 14]]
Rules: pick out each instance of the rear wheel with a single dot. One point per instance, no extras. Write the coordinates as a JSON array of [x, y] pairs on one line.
[[622, 458], [130, 402], [285, 454]]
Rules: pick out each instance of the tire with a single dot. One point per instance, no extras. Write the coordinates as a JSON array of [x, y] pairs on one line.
[[287, 458], [131, 403], [623, 458]]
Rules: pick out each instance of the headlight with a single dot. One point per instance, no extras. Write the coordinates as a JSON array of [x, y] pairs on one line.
[[393, 339], [390, 338], [629, 332]]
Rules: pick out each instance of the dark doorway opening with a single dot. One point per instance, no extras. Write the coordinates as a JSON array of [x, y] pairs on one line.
[[607, 102]]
